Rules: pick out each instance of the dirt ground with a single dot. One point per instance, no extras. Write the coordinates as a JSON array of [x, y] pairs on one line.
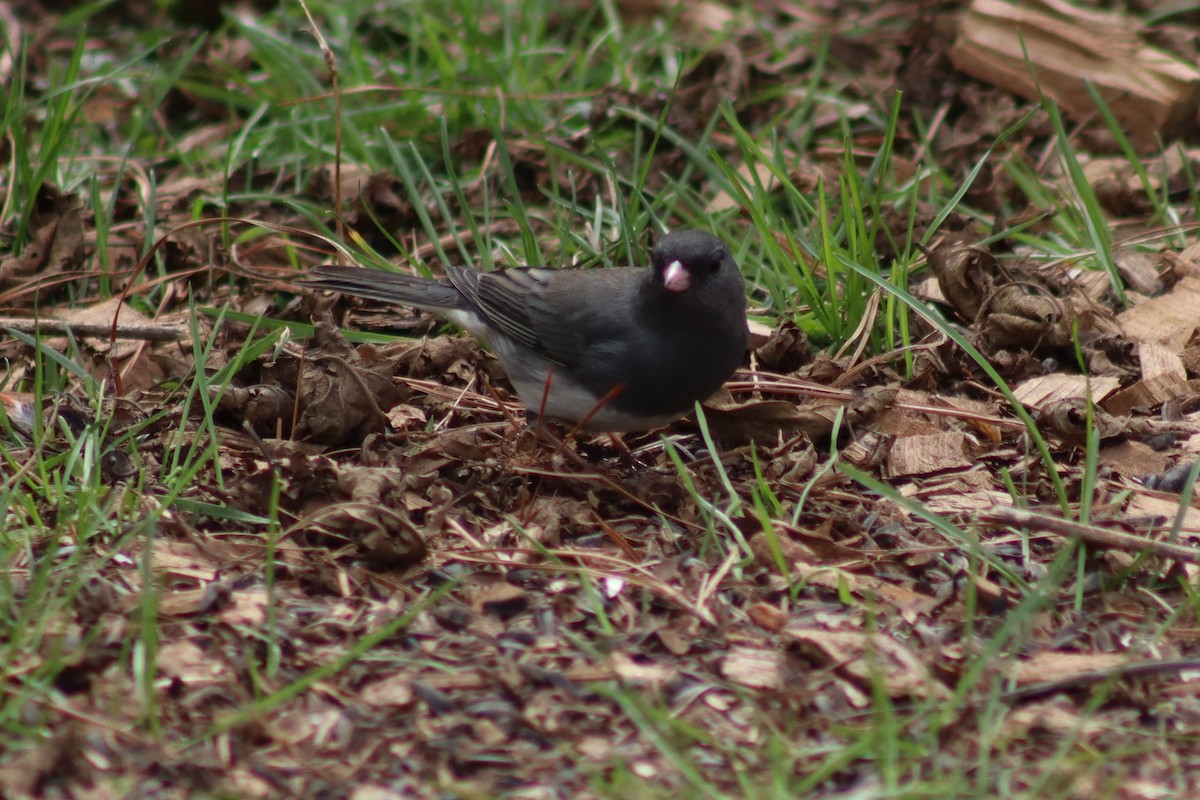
[[965, 561]]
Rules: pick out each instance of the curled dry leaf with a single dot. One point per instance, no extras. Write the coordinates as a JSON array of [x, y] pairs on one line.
[[262, 403], [786, 351], [384, 536], [1068, 420], [791, 462], [772, 422], [1013, 310], [405, 416], [58, 241], [387, 534], [437, 356], [766, 422], [343, 391], [966, 274], [1017, 318]]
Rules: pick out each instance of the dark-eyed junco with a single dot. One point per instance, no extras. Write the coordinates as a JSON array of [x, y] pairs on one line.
[[626, 349]]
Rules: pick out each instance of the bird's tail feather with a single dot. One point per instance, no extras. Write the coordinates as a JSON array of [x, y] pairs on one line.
[[390, 287]]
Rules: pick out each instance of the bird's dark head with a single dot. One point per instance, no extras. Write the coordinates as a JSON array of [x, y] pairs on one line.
[[687, 259], [699, 285]]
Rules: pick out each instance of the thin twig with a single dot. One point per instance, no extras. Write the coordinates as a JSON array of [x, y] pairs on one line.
[[145, 331], [1133, 670], [1102, 537]]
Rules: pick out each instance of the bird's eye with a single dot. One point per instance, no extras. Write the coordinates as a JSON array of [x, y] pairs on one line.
[[717, 259]]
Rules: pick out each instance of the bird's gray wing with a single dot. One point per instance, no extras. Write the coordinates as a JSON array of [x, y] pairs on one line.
[[552, 312]]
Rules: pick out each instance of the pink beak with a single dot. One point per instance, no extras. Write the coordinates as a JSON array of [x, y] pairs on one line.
[[676, 277]]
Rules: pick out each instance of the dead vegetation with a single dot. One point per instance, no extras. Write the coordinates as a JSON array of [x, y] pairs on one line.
[[357, 574]]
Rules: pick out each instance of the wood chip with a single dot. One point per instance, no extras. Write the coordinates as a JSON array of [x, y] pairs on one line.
[[1133, 458], [755, 668], [1157, 360], [1150, 394], [1046, 389], [1052, 47], [921, 455], [1169, 319], [1052, 666], [968, 503]]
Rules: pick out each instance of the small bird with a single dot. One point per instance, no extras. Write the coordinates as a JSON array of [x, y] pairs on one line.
[[617, 349]]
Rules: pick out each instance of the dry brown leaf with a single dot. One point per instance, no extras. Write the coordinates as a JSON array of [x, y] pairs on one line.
[[866, 657], [343, 391], [755, 668]]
